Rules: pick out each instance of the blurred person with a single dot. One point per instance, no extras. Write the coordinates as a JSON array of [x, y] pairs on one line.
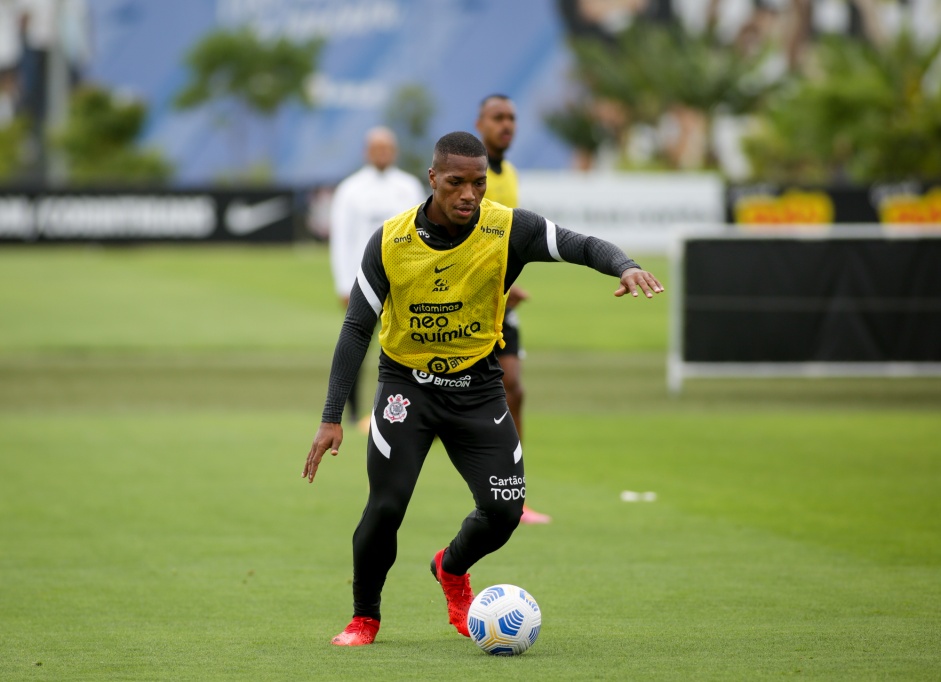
[[37, 32], [496, 123], [360, 204], [75, 37], [10, 52], [46, 26], [605, 20], [37, 28], [758, 30], [438, 276], [319, 203]]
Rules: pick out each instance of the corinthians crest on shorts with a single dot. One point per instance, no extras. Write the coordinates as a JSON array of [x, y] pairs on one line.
[[395, 411]]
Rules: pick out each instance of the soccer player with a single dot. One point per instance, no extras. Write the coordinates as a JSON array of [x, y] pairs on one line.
[[353, 220], [496, 123], [437, 276]]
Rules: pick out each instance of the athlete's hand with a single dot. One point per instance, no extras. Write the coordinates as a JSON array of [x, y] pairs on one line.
[[516, 296], [328, 437], [635, 280]]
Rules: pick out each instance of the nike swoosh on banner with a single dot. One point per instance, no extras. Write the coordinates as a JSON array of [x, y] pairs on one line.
[[242, 219], [438, 270], [497, 421]]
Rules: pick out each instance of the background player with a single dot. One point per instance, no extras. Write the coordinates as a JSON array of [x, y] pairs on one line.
[[496, 123], [361, 203]]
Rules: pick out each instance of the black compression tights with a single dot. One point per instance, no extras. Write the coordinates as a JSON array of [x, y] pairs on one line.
[[482, 444]]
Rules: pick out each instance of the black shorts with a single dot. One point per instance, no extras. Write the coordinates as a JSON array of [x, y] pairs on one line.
[[511, 335], [476, 429]]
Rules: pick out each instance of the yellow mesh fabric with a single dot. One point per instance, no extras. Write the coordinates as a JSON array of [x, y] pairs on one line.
[[444, 311], [503, 188]]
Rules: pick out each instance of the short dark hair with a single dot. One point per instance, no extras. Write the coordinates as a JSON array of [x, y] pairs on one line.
[[496, 95], [458, 144]]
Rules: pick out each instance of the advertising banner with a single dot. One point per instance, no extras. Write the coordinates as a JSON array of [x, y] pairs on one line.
[[907, 204], [640, 212], [147, 215]]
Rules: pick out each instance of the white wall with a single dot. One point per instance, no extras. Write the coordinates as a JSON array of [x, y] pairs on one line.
[[641, 212]]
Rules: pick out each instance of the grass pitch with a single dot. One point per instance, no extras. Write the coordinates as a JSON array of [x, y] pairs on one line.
[[156, 407]]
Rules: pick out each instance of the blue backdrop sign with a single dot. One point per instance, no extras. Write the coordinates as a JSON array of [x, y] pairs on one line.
[[457, 51]]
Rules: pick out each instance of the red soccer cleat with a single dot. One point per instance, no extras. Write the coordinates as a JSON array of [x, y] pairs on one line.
[[457, 590], [531, 516], [361, 630]]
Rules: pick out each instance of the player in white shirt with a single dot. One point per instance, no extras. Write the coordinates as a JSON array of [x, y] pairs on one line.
[[361, 203]]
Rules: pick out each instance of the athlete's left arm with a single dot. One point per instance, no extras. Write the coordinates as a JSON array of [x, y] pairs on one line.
[[536, 239]]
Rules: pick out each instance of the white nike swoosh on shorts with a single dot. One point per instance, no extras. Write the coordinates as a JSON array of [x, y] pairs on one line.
[[497, 421]]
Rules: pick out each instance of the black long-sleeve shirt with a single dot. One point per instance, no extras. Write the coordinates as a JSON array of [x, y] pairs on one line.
[[532, 239]]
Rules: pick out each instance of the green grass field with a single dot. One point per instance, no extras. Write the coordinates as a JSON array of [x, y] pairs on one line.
[[157, 405]]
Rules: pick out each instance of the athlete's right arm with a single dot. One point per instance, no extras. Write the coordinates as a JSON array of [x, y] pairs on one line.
[[366, 299], [358, 326], [329, 436]]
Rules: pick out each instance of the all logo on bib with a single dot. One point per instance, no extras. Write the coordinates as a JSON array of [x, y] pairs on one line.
[[395, 411]]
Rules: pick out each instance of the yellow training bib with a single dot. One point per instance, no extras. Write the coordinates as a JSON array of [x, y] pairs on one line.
[[503, 187], [444, 311]]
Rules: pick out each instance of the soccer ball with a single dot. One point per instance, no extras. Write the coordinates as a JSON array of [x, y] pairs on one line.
[[504, 620]]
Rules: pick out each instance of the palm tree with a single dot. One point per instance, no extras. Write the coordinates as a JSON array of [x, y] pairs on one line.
[[862, 114], [409, 114], [654, 70], [240, 74], [99, 141]]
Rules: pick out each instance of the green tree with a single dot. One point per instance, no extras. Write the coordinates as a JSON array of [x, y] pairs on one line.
[[99, 141], [579, 127], [240, 75], [862, 114], [652, 70], [13, 137], [409, 114]]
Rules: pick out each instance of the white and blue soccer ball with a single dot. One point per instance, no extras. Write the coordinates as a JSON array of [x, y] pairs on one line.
[[504, 620]]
